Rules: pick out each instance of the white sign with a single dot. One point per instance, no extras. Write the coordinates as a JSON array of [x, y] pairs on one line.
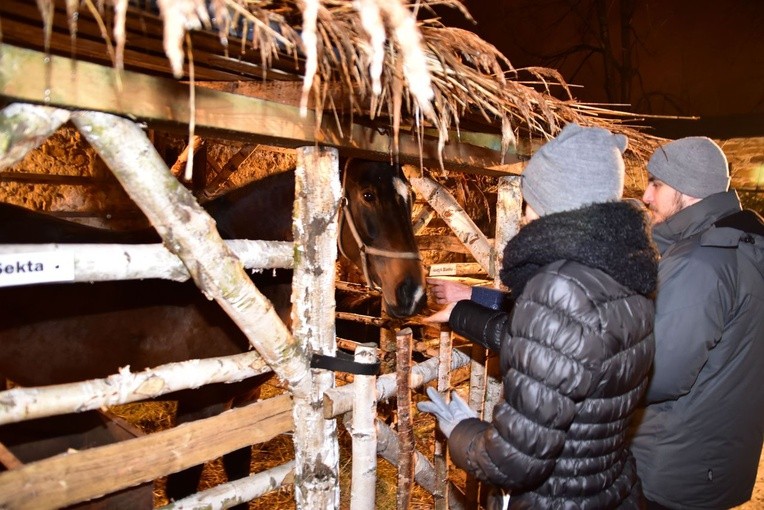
[[36, 267], [443, 270]]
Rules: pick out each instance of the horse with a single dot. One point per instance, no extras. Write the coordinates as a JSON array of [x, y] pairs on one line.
[[60, 333]]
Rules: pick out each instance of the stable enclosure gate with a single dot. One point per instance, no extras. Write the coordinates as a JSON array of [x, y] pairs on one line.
[[313, 404]]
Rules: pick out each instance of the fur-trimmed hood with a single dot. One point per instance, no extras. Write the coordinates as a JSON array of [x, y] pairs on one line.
[[613, 237]]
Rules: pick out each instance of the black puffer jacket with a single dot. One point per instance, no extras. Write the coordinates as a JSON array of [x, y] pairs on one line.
[[575, 354]]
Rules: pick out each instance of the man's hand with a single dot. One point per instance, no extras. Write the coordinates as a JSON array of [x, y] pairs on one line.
[[448, 291], [448, 415]]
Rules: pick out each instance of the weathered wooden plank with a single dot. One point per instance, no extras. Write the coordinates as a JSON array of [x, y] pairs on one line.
[[17, 32], [26, 75], [78, 476], [144, 51]]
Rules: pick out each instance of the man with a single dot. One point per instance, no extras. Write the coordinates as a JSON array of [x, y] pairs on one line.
[[700, 435], [575, 351]]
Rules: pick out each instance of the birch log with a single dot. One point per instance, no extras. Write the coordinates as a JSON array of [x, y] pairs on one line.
[[20, 404], [509, 207], [364, 433], [421, 217], [461, 224], [239, 491], [407, 447], [509, 210], [108, 262], [191, 234], [24, 127], [317, 200], [440, 458]]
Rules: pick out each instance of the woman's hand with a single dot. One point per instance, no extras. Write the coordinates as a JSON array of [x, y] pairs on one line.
[[441, 316]]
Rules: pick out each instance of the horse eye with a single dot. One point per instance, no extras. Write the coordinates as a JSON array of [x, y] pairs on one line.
[[369, 196]]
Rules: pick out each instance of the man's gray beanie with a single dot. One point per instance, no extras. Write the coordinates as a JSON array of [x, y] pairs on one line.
[[695, 166], [581, 166]]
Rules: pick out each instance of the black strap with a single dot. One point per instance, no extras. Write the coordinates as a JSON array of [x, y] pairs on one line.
[[343, 362]]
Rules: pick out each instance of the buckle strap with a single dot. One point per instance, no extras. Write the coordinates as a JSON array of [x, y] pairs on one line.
[[343, 362]]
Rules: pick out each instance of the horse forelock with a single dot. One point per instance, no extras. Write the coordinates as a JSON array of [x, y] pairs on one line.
[[402, 188]]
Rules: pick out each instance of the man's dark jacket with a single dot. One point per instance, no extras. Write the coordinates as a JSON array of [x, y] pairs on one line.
[[574, 354], [699, 438]]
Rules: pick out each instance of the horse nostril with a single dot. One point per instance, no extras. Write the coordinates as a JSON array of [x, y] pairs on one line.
[[410, 296]]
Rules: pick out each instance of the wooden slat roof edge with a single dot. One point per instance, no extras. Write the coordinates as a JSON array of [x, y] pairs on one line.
[[30, 76]]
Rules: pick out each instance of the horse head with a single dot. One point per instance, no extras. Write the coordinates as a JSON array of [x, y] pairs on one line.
[[376, 233]]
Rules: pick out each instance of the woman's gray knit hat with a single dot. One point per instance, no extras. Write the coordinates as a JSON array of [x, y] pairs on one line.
[[581, 166], [695, 166]]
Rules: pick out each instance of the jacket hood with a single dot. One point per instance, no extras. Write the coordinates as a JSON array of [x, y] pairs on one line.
[[613, 237]]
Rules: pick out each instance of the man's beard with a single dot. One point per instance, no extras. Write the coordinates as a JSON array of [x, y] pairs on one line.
[[677, 204]]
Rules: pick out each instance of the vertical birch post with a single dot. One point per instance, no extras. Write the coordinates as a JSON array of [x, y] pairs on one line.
[[508, 213], [440, 459], [405, 423], [364, 433], [317, 200]]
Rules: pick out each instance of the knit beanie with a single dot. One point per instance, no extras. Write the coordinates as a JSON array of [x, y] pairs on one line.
[[695, 166], [581, 166]]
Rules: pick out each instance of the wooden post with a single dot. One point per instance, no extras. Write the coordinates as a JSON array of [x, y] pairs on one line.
[[476, 401], [405, 421], [387, 342], [364, 433], [440, 459], [508, 214], [317, 200]]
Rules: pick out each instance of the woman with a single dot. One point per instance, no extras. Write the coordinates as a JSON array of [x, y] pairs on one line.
[[576, 349]]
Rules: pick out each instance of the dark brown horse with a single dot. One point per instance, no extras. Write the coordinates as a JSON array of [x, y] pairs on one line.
[[58, 333]]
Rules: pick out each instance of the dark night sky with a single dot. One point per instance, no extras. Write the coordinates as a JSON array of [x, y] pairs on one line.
[[688, 57]]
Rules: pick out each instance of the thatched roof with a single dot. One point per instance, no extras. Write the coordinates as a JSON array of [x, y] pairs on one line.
[[384, 60]]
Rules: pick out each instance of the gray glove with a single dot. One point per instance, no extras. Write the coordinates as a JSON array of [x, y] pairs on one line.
[[448, 415]]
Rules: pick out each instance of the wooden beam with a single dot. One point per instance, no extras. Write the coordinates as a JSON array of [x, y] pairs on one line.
[[78, 476], [27, 76], [23, 26]]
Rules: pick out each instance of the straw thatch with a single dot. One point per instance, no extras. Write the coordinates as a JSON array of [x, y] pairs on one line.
[[388, 60]]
